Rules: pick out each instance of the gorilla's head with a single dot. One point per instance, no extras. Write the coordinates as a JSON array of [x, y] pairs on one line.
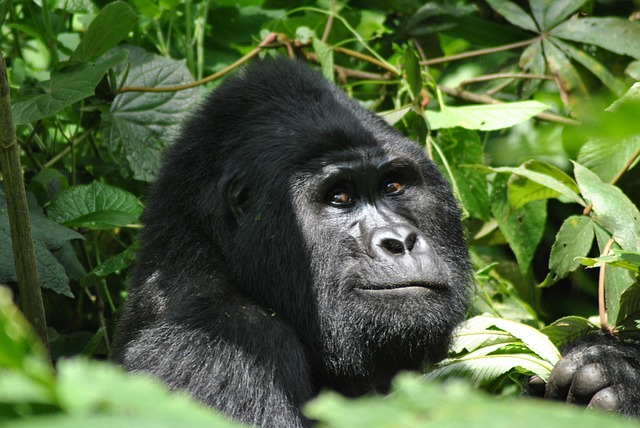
[[321, 212]]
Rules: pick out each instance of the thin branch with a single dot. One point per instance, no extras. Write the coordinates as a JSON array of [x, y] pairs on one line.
[[272, 37], [365, 57], [327, 28], [480, 52], [495, 76], [30, 294], [601, 300]]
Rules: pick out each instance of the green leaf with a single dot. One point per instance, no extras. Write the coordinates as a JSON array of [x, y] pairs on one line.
[[522, 227], [532, 61], [325, 56], [65, 88], [568, 329], [615, 34], [616, 280], [548, 13], [415, 403], [606, 157], [482, 369], [95, 206], [629, 308], [617, 86], [613, 210], [138, 125], [529, 336], [574, 239], [539, 181], [48, 239], [514, 14], [394, 116], [110, 27], [413, 73], [485, 117], [463, 147], [560, 66]]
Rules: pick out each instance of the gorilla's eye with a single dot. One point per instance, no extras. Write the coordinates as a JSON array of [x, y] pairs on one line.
[[340, 198], [392, 187]]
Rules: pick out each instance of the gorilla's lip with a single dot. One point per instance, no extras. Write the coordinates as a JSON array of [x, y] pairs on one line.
[[404, 285]]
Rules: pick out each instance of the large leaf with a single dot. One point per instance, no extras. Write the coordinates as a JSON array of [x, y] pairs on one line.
[[615, 34], [48, 239], [574, 239], [485, 117], [110, 27], [139, 125], [560, 66], [605, 157], [568, 329], [613, 210], [65, 87], [95, 206]]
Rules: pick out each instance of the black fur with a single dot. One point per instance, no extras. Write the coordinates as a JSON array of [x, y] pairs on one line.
[[254, 287]]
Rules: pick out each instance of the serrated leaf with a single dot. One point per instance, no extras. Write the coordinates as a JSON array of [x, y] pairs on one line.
[[568, 329], [532, 338], [483, 369], [514, 14], [412, 72], [139, 125], [615, 34], [95, 206], [574, 239], [65, 88], [325, 57], [485, 117], [613, 210], [110, 27]]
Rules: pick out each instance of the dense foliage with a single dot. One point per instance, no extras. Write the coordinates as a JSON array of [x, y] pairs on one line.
[[530, 108]]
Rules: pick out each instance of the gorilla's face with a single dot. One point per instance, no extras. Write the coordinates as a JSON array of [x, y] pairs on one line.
[[386, 255]]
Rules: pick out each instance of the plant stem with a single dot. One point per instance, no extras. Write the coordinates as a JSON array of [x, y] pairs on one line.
[[480, 52], [601, 300], [30, 295]]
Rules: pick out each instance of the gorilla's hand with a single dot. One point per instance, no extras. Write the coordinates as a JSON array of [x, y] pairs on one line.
[[599, 372]]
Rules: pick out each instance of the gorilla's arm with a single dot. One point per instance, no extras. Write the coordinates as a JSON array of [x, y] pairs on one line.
[[599, 372], [246, 363]]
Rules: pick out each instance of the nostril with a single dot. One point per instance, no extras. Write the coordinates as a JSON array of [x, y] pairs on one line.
[[410, 242], [393, 246]]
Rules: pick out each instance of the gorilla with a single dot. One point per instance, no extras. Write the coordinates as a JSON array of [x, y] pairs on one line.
[[293, 241]]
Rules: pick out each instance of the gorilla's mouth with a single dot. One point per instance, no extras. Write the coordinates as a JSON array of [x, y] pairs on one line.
[[408, 286]]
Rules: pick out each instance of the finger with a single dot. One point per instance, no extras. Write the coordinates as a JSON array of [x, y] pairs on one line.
[[560, 380], [605, 399], [587, 381], [536, 386]]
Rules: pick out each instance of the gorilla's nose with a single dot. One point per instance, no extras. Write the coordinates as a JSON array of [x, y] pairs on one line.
[[396, 241]]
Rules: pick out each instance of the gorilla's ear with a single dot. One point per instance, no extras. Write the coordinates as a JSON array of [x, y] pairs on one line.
[[238, 200]]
